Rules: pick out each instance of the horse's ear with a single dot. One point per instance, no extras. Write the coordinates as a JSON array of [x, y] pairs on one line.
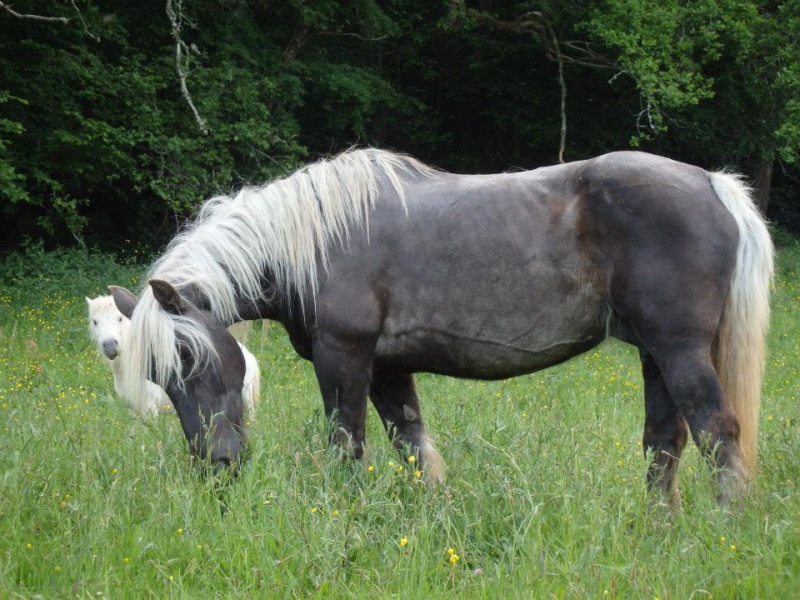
[[88, 300], [124, 300], [168, 297]]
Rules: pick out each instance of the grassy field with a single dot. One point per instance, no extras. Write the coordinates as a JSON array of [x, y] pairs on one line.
[[544, 497]]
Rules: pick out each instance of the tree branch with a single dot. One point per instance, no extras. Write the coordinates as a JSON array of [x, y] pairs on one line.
[[583, 54], [529, 22], [563, 86], [85, 27], [10, 10], [534, 23], [575, 52], [176, 20], [298, 40]]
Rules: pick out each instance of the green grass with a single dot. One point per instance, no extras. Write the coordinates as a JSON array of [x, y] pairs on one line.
[[544, 497]]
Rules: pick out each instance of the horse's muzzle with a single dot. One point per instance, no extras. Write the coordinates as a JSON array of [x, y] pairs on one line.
[[111, 349], [227, 458]]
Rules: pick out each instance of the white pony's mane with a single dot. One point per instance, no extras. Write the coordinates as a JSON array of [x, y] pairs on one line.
[[286, 227]]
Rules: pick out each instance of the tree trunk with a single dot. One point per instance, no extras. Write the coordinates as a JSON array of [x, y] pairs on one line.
[[759, 172]]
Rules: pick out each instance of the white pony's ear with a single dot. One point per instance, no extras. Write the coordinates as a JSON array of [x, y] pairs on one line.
[[126, 302], [88, 300], [168, 297]]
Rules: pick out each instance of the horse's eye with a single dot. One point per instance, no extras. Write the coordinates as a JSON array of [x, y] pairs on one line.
[[94, 321]]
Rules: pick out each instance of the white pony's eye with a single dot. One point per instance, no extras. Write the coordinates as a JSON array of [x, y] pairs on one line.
[[94, 321]]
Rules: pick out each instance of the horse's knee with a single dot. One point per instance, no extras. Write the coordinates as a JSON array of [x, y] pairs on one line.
[[697, 393]]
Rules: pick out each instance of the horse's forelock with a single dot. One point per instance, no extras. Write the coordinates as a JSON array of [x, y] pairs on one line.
[[155, 338], [101, 305]]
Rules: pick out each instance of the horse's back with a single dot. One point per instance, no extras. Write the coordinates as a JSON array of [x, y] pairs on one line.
[[479, 276], [497, 275]]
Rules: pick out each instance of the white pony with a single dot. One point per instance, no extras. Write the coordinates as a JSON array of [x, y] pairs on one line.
[[108, 327]]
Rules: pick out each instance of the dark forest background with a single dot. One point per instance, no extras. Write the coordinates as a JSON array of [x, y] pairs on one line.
[[118, 117]]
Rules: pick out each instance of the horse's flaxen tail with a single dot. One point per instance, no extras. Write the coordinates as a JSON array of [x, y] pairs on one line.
[[740, 351]]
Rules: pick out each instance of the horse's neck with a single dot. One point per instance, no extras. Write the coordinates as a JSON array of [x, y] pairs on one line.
[[270, 306]]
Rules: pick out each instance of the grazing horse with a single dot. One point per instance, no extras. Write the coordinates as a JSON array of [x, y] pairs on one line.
[[108, 328], [379, 267]]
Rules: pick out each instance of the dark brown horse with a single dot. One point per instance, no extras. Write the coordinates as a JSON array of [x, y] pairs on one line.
[[380, 267]]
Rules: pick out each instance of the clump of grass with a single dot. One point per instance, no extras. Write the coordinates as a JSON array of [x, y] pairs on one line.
[[544, 496]]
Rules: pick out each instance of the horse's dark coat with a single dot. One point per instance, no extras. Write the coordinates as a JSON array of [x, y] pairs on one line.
[[493, 276]]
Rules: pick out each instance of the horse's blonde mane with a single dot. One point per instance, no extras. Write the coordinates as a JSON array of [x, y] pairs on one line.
[[286, 228]]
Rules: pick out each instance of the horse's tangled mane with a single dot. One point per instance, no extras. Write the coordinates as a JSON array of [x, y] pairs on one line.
[[285, 228]]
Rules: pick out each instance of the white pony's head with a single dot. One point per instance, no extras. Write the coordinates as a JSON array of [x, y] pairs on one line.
[[107, 326]]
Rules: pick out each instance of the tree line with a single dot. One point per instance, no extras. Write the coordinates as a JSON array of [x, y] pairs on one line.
[[117, 117]]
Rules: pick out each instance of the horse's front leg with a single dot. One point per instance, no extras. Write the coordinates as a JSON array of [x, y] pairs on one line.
[[394, 395], [344, 371]]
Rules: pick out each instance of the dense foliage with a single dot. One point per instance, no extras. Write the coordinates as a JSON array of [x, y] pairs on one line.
[[116, 118]]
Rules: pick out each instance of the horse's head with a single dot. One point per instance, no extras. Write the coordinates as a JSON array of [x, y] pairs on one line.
[[107, 326], [207, 394]]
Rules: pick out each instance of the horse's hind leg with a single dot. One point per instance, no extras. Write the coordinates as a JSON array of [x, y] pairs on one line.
[[665, 433], [692, 382], [394, 395]]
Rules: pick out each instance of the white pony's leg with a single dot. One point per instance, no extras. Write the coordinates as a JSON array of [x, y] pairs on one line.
[[154, 401], [251, 390]]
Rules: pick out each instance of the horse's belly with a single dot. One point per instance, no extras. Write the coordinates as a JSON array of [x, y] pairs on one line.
[[486, 356]]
